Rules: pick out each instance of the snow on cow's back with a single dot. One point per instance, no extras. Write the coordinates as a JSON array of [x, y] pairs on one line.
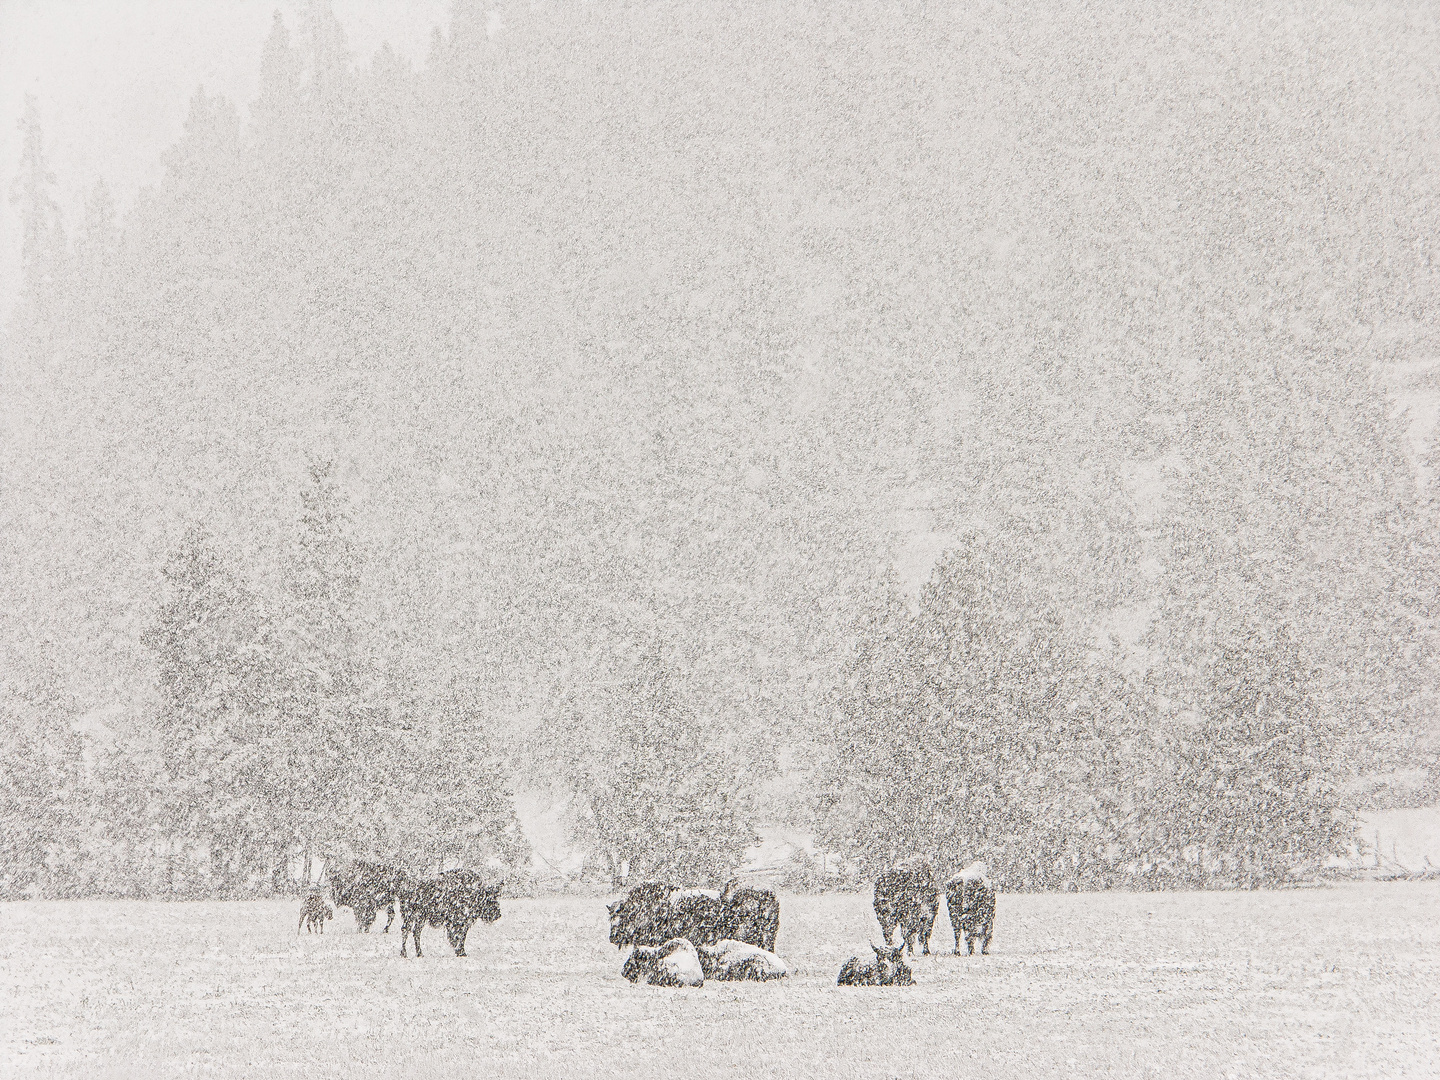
[[730, 956], [682, 963], [976, 871]]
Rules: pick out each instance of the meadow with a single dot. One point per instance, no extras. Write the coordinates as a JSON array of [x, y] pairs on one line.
[[1338, 981]]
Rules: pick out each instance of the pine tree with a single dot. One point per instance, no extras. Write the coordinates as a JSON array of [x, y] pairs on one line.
[[331, 724], [1253, 785], [222, 741], [652, 793], [275, 108], [41, 808], [42, 243]]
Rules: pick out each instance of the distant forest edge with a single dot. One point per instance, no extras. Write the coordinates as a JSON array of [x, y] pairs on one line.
[[978, 434]]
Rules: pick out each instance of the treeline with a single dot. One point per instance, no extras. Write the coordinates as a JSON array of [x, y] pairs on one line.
[[284, 733], [636, 349], [981, 726]]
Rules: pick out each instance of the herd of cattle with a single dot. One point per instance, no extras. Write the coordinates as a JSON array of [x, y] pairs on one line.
[[679, 936]]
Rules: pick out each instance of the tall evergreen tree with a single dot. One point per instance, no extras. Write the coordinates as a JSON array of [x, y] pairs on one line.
[[1254, 786], [42, 237], [653, 794], [223, 742]]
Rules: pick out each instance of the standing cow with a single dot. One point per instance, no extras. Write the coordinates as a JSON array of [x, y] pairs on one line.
[[970, 896], [907, 897], [454, 900], [653, 913], [366, 887], [750, 914]]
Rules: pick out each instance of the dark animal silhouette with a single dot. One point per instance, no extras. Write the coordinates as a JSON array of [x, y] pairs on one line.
[[729, 960], [970, 897], [366, 887], [653, 913], [888, 969], [675, 963], [313, 914], [454, 900], [750, 914], [907, 898]]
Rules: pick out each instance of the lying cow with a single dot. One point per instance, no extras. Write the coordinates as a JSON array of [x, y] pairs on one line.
[[654, 912], [729, 960], [675, 963], [888, 969], [313, 914], [907, 898], [454, 900], [366, 887], [970, 896]]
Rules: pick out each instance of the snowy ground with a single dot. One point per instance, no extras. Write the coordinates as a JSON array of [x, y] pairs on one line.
[[1324, 982]]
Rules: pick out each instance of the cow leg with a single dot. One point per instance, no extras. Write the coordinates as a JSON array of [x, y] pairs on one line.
[[300, 924], [389, 916], [985, 943], [969, 943], [886, 929], [365, 917], [415, 934], [457, 938]]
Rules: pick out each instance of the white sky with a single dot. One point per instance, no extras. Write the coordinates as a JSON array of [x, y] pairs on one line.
[[114, 78]]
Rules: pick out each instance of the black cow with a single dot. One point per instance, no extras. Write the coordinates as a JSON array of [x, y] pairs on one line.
[[313, 914], [907, 897], [453, 900], [737, 961], [365, 887], [751, 914], [888, 969], [676, 963], [970, 896], [653, 913]]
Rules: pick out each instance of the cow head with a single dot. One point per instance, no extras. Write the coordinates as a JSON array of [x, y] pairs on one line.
[[488, 903], [891, 963], [641, 959], [620, 934]]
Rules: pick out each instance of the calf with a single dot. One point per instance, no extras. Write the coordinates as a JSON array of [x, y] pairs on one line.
[[889, 969], [676, 963], [970, 896], [729, 960], [907, 898], [313, 914], [454, 900]]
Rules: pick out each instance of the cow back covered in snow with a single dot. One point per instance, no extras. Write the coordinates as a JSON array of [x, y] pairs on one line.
[[729, 960], [675, 963]]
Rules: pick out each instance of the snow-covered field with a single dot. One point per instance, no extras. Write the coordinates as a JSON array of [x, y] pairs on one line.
[[1323, 982]]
